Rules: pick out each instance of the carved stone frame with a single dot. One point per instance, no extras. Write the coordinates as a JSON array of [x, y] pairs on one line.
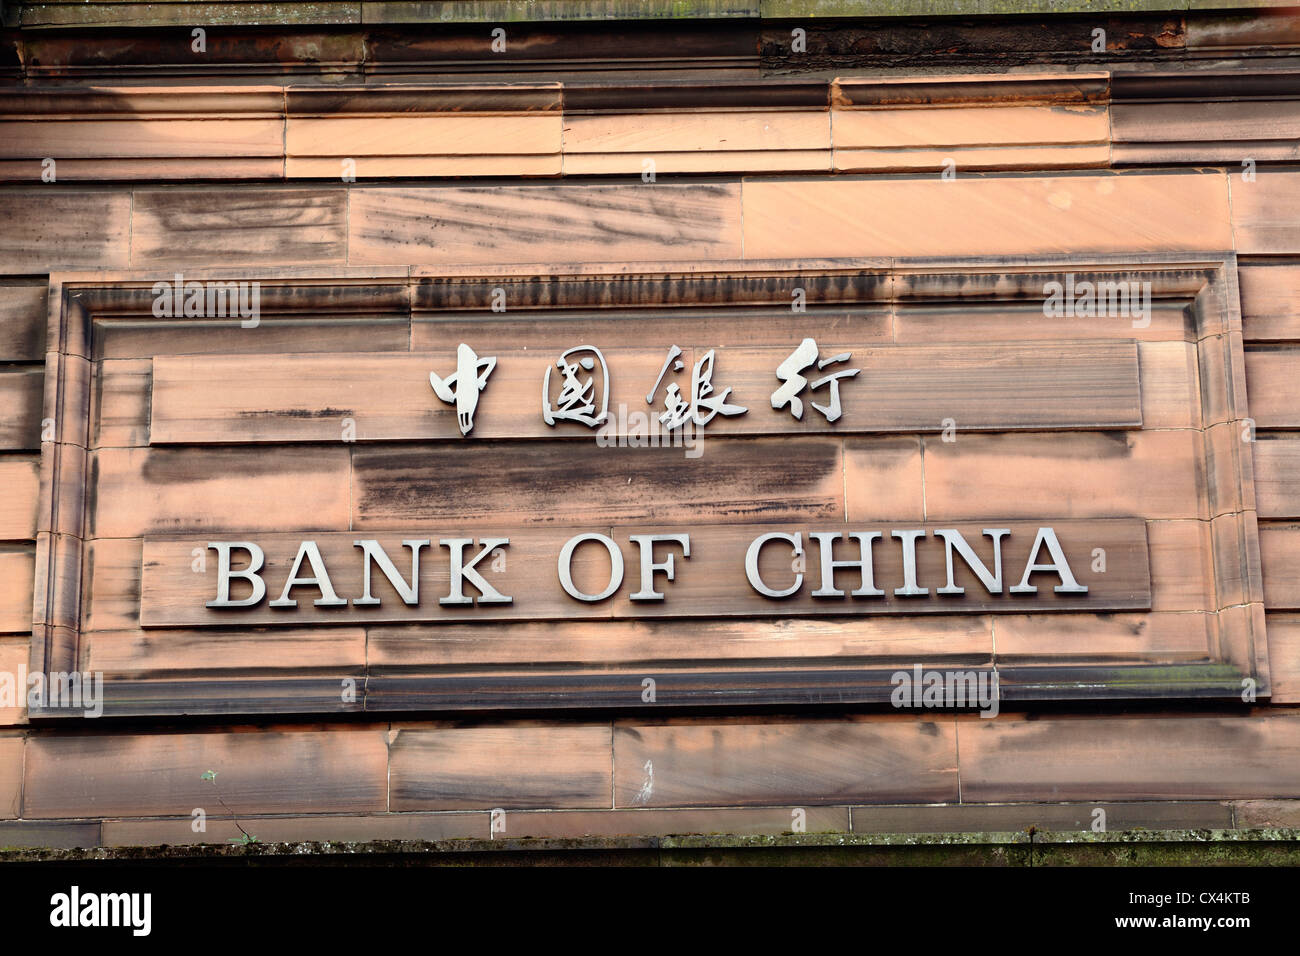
[[1238, 651]]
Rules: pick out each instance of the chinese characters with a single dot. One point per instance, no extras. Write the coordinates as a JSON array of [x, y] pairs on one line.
[[577, 393], [583, 393], [789, 373], [701, 409], [461, 388]]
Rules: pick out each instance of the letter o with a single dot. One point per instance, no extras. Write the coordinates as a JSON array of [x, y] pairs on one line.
[[615, 570]]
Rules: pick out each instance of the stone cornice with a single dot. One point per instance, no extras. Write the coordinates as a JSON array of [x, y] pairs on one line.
[[38, 14], [359, 133], [112, 41]]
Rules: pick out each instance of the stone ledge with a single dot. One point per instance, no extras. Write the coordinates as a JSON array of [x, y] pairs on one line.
[[134, 13], [1265, 846]]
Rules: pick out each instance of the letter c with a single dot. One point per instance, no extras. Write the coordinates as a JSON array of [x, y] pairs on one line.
[[751, 564]]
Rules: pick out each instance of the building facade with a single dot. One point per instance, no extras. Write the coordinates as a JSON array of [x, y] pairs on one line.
[[484, 421]]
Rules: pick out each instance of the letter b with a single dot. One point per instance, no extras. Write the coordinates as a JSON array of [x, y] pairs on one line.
[[256, 558]]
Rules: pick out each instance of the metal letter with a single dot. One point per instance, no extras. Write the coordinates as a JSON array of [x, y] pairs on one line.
[[751, 563], [909, 588], [1061, 566], [256, 558], [320, 579], [953, 539], [833, 411], [460, 571], [371, 551], [702, 387], [672, 354], [702, 408], [469, 379], [566, 572], [827, 539], [788, 372], [648, 565], [577, 400]]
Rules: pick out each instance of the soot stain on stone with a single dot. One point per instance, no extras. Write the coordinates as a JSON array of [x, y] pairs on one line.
[[298, 413]]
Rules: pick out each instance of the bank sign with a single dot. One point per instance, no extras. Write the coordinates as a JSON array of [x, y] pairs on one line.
[[754, 570], [388, 495]]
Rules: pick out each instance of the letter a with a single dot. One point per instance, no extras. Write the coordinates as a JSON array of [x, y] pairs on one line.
[[1068, 584]]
